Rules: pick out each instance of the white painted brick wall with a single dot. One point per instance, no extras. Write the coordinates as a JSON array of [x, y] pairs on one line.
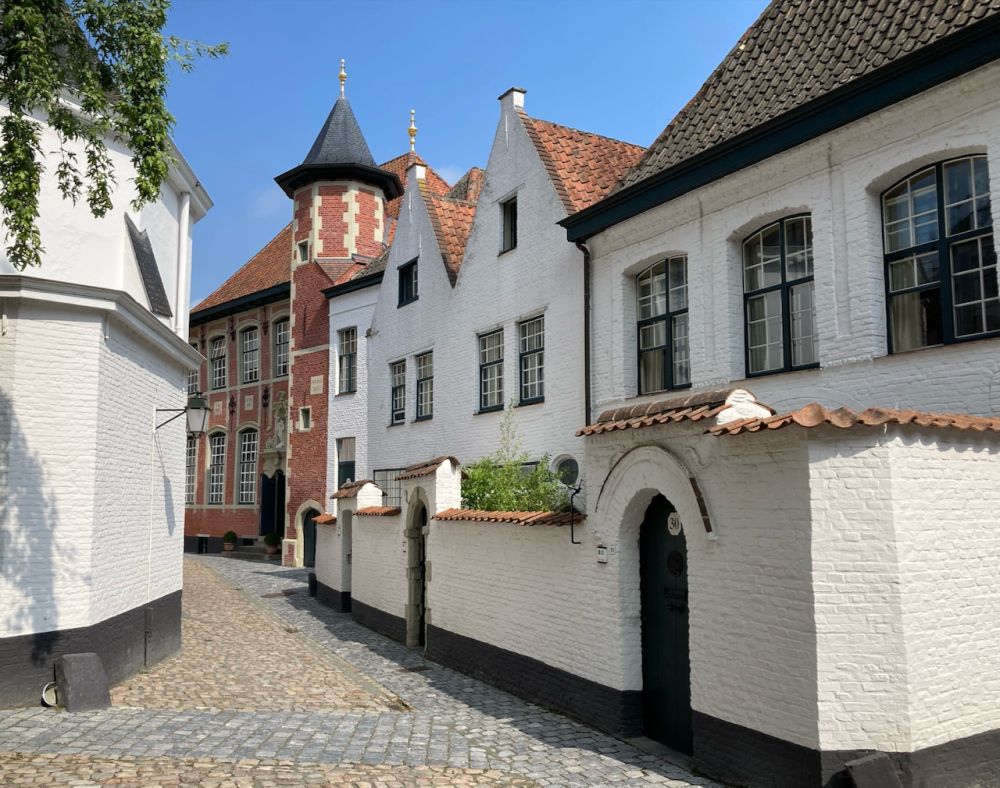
[[379, 566]]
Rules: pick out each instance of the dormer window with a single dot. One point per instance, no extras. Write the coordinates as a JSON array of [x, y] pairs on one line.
[[508, 218], [303, 251]]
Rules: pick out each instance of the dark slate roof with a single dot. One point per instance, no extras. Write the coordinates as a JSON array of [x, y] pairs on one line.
[[340, 141], [796, 52], [148, 269]]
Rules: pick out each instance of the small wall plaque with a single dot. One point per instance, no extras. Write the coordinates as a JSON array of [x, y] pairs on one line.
[[316, 384], [674, 524], [602, 554]]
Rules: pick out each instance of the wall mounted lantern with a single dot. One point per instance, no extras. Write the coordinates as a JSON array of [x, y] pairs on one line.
[[197, 414]]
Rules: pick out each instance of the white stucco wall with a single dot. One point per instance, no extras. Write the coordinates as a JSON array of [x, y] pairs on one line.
[[379, 563], [838, 179]]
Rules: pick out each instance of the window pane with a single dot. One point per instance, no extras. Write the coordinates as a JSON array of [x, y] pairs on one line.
[[764, 332], [248, 467], [217, 468], [491, 347], [916, 319], [974, 285], [651, 292], [491, 386], [910, 212], [281, 348], [798, 248], [677, 269], [958, 181], [805, 346], [762, 259], [651, 367], [682, 361], [532, 335], [653, 335], [967, 195], [250, 340]]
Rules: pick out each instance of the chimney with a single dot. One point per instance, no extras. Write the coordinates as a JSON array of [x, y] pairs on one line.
[[419, 171], [512, 99]]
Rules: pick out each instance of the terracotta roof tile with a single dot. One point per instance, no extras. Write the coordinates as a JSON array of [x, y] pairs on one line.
[[815, 415], [398, 166], [351, 489], [378, 511], [419, 469], [271, 266], [452, 220], [468, 187], [323, 519], [583, 167], [519, 518], [694, 407], [797, 51]]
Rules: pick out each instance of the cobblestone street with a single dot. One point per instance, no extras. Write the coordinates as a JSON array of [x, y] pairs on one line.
[[274, 689]]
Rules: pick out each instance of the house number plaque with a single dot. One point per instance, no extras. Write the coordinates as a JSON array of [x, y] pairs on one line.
[[674, 524]]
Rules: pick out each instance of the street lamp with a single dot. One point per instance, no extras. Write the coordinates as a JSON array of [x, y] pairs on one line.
[[197, 414]]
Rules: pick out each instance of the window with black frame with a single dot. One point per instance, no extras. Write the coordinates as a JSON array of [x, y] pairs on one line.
[[408, 283], [779, 297], [247, 478], [250, 354], [425, 386], [218, 353], [347, 360], [662, 310], [940, 262], [491, 371], [532, 360], [385, 479], [281, 336], [397, 393]]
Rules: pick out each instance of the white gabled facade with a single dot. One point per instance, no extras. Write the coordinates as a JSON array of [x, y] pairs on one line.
[[91, 523]]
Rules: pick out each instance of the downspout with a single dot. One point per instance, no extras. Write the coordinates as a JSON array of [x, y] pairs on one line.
[[582, 246], [183, 267]]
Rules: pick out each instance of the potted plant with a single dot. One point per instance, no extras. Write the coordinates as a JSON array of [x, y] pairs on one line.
[[229, 541], [271, 543]]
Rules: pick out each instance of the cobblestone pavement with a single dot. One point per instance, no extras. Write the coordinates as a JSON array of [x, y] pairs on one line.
[[453, 723], [234, 656]]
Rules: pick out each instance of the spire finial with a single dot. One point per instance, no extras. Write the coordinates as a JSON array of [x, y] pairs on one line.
[[342, 76], [413, 130]]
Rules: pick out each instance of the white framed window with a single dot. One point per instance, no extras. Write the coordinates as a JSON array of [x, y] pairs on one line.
[[250, 354], [397, 391], [281, 337], [491, 371], [193, 376], [217, 468], [532, 360], [218, 356], [248, 467], [662, 309], [425, 385], [347, 360], [190, 468], [305, 419], [303, 251]]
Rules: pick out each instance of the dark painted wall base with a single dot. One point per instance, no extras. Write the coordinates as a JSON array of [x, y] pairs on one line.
[[212, 544], [616, 711], [743, 756], [122, 642], [382, 622], [331, 597]]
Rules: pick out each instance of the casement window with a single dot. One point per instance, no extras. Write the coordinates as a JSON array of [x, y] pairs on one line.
[[397, 393], [491, 371], [305, 419], [425, 385], [508, 224], [408, 283], [190, 467], [218, 356], [250, 354], [247, 476], [778, 301], [532, 360], [217, 467], [347, 360], [303, 251], [662, 309], [390, 486], [940, 262], [281, 337], [193, 376], [345, 461]]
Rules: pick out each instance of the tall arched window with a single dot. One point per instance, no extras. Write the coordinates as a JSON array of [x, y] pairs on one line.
[[250, 354], [281, 335], [940, 263], [247, 472], [216, 467], [778, 301], [662, 309], [218, 357]]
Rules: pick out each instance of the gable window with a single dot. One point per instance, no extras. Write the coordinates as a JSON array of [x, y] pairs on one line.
[[532, 358], [250, 354], [425, 385], [940, 262], [390, 486], [345, 461], [491, 371], [190, 465], [248, 467], [347, 360], [508, 222], [219, 363], [662, 307], [281, 336], [193, 376], [397, 394], [408, 283], [217, 467], [778, 301], [303, 251]]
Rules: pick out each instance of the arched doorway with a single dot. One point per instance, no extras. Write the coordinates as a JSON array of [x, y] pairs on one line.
[[666, 664], [309, 537], [416, 572]]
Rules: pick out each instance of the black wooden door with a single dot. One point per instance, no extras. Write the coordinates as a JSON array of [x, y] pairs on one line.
[[267, 509], [666, 669], [279, 503], [423, 578], [309, 537]]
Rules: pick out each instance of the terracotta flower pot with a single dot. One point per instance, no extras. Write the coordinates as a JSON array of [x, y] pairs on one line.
[[228, 546], [272, 549]]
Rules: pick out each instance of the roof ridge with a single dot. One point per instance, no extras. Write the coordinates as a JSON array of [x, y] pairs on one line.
[[236, 274], [524, 114]]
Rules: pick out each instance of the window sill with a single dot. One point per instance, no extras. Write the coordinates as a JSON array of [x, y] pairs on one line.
[[667, 390], [345, 393], [494, 409], [502, 252], [423, 418], [396, 424], [525, 403], [401, 304], [804, 368]]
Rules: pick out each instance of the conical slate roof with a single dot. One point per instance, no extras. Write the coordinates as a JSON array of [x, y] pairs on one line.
[[340, 141]]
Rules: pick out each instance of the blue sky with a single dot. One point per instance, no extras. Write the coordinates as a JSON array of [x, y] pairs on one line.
[[620, 68]]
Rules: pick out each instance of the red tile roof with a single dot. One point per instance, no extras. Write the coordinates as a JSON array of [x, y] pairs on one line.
[[815, 415], [351, 489], [518, 518], [426, 468], [583, 166], [378, 511], [451, 220], [323, 519], [691, 408], [271, 266], [399, 166]]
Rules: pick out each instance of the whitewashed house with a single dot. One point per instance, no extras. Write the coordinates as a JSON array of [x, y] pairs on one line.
[[92, 344]]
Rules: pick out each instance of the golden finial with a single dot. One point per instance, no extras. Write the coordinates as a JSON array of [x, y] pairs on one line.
[[343, 77], [413, 130]]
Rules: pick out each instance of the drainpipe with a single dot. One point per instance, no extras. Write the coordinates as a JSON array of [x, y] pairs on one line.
[[183, 266], [582, 246]]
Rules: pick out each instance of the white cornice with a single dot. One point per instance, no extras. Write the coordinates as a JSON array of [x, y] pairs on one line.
[[117, 304]]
